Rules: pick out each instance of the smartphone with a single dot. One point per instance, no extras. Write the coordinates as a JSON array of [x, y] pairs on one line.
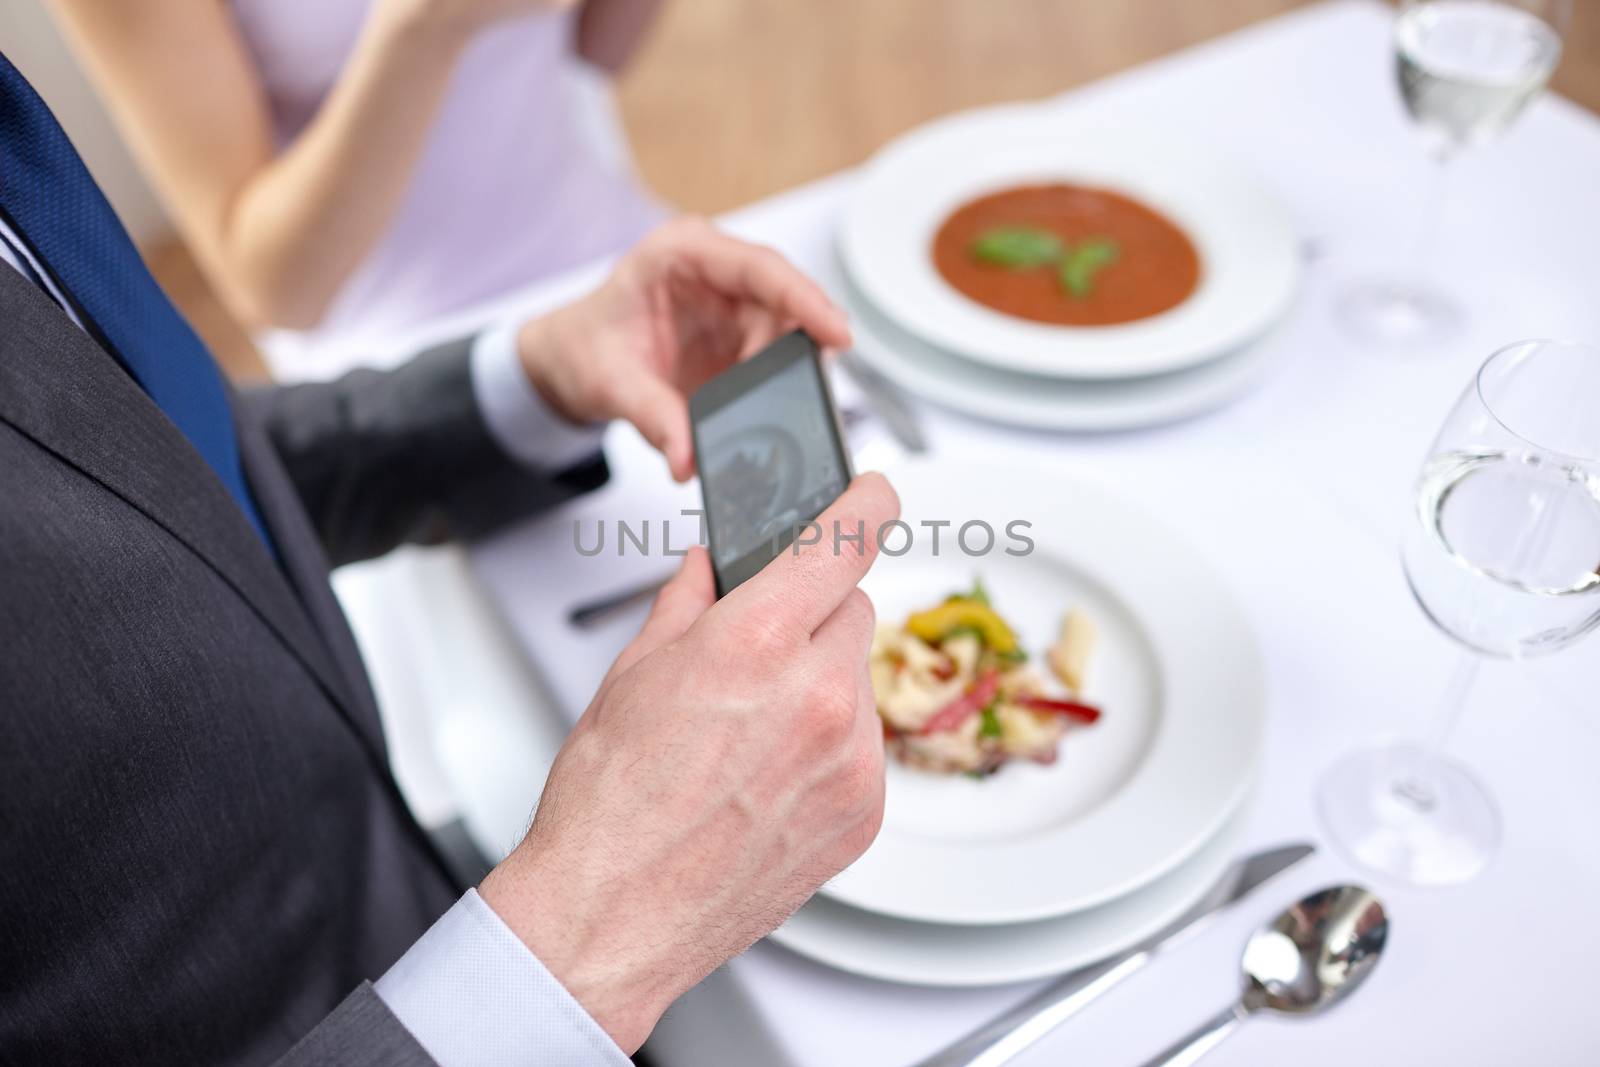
[[771, 454]]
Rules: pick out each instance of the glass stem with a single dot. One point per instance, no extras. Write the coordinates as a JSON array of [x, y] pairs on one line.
[[1427, 235], [1452, 703], [1414, 787]]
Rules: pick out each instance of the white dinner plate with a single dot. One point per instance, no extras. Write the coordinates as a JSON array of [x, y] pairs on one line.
[[1176, 672], [1250, 264], [1013, 399], [932, 954]]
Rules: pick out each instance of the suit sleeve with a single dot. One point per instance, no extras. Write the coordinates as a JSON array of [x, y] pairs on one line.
[[381, 458], [360, 1032]]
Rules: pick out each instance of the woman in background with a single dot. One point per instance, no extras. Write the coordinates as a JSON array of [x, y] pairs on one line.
[[346, 168]]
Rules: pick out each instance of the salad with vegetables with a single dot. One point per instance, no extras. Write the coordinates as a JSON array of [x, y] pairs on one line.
[[956, 694]]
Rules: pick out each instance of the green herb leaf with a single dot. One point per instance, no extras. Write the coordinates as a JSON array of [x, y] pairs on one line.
[[991, 723], [1017, 247], [978, 593], [1079, 266]]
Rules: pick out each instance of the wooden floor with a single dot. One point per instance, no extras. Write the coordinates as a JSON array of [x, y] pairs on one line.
[[732, 100]]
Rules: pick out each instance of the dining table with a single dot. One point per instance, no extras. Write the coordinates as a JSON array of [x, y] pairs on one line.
[[1295, 493]]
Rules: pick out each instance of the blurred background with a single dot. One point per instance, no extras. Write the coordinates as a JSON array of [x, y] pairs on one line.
[[733, 100]]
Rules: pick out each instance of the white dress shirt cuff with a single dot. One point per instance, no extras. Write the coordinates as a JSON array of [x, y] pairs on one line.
[[472, 995], [517, 416]]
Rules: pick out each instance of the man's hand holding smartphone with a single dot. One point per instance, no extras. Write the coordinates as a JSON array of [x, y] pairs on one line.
[[731, 760]]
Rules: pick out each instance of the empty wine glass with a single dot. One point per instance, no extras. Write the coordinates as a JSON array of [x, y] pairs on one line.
[[1466, 70], [1503, 554]]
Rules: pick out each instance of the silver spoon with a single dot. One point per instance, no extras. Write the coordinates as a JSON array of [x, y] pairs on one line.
[[1307, 959]]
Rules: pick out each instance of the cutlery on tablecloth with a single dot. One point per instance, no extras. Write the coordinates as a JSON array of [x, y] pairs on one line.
[[887, 401], [1004, 1037], [592, 613], [1306, 960]]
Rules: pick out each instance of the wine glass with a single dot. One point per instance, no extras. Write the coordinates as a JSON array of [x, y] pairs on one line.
[[1503, 554], [1466, 70]]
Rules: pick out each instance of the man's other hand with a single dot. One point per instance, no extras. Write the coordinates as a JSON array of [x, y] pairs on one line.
[[684, 304]]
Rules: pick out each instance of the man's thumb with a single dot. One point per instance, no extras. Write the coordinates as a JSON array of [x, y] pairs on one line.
[[681, 601]]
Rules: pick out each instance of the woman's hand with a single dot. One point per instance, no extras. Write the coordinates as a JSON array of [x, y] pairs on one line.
[[686, 303]]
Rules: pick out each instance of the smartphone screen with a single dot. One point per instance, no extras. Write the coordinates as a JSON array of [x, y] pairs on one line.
[[770, 455]]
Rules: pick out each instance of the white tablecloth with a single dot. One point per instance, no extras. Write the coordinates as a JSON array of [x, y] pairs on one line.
[[1295, 493]]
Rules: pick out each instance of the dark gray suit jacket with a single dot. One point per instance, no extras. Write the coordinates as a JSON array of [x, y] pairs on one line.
[[202, 850]]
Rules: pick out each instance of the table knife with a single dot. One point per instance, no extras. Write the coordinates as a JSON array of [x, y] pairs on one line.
[[998, 1040], [592, 613], [887, 400]]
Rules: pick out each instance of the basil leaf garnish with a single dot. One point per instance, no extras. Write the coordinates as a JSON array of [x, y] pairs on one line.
[[1017, 247], [1079, 266]]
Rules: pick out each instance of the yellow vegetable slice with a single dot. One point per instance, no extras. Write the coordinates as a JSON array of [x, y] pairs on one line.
[[935, 624]]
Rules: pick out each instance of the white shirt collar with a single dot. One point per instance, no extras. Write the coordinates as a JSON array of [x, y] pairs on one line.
[[13, 241]]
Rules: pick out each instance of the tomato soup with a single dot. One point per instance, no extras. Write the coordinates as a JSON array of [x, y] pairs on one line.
[[1076, 256]]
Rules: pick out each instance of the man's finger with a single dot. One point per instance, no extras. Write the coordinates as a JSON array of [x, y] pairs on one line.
[[662, 415], [812, 577], [681, 601], [847, 633], [760, 274], [760, 327]]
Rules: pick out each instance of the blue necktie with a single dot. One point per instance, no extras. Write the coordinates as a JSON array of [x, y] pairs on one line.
[[48, 196]]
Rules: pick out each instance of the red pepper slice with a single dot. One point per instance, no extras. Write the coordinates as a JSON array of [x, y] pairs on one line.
[[966, 705], [1084, 713]]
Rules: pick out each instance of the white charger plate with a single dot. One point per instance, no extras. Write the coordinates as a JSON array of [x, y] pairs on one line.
[[1002, 396], [931, 954], [1176, 671], [1250, 264]]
